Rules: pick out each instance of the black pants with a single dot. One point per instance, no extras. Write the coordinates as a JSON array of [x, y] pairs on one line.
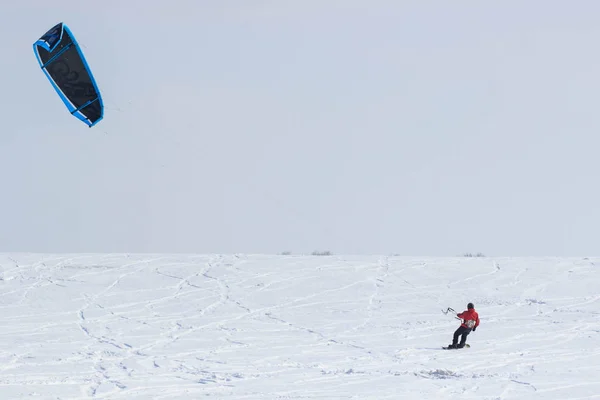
[[460, 331]]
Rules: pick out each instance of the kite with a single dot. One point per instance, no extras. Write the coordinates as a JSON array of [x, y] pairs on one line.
[[62, 60]]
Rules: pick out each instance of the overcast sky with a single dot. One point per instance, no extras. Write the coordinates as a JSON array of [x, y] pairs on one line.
[[427, 128]]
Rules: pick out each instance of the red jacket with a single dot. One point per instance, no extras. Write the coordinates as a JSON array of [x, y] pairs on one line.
[[470, 318]]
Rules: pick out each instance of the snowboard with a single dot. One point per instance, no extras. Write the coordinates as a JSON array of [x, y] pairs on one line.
[[448, 348]]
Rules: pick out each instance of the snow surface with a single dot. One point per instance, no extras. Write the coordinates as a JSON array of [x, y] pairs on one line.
[[296, 327]]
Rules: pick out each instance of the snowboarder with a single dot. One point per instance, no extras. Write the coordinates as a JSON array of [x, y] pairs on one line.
[[470, 322]]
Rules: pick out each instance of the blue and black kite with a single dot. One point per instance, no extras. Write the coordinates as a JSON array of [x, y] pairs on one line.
[[62, 61]]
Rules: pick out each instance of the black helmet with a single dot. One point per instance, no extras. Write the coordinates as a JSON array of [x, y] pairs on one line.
[[470, 306]]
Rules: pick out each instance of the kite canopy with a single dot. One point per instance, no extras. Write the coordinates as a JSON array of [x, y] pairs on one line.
[[62, 61]]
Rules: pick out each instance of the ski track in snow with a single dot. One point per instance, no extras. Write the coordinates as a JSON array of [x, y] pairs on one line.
[[116, 326]]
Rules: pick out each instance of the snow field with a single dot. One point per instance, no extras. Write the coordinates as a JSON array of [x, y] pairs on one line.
[[115, 326]]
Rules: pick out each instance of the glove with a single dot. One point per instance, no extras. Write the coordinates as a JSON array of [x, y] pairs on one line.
[[474, 329]]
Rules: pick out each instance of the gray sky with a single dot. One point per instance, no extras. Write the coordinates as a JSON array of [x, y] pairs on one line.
[[419, 128]]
